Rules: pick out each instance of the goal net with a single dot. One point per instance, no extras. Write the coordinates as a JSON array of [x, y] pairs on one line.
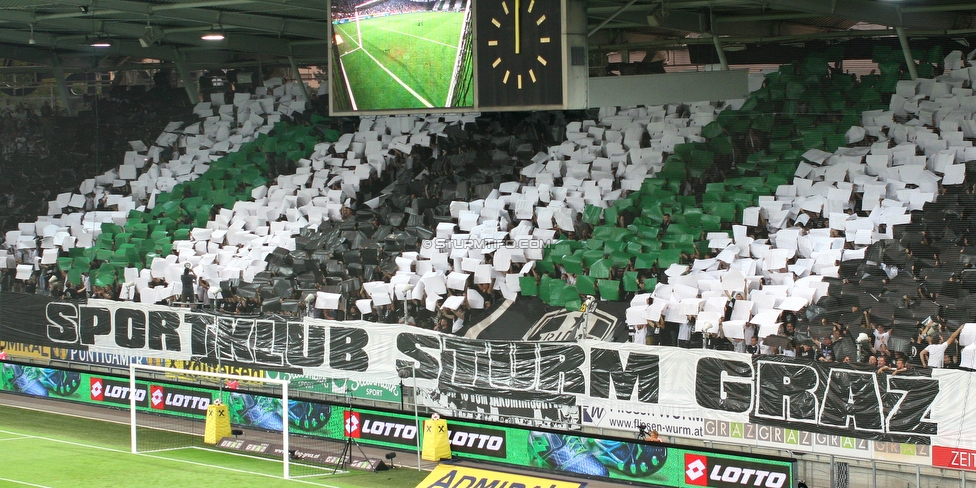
[[169, 409]]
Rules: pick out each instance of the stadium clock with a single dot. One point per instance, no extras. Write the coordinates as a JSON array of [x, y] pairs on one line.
[[520, 53]]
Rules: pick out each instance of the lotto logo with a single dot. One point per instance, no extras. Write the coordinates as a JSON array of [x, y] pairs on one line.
[[696, 469], [156, 395], [352, 424], [97, 389]]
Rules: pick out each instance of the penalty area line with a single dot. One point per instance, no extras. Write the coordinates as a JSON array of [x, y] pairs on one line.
[[345, 77], [226, 468], [349, 52], [61, 441], [24, 483], [418, 37], [16, 438], [398, 80]]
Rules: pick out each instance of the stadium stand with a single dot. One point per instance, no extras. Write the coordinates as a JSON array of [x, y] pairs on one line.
[[684, 211]]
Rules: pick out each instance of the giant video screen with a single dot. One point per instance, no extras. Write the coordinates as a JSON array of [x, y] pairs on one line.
[[401, 55]]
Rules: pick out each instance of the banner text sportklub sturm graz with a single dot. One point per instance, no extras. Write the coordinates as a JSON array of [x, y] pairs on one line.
[[534, 383]]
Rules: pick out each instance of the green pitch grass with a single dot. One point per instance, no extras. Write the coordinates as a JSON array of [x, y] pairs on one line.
[[48, 450], [418, 49]]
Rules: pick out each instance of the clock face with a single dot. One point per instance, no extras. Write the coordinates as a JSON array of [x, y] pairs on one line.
[[519, 53]]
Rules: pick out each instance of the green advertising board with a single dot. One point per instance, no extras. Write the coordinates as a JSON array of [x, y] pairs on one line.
[[111, 391], [340, 387], [571, 454]]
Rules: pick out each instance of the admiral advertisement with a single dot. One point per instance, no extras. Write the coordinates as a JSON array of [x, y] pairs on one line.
[[541, 384], [444, 476]]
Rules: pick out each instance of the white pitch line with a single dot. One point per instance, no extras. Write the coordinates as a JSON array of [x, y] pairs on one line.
[[398, 80], [78, 444], [349, 52], [350, 38], [16, 438], [342, 68], [418, 37], [18, 482], [395, 78], [235, 470], [89, 446]]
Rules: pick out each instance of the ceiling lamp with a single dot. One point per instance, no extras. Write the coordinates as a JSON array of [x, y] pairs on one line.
[[101, 42], [32, 41], [213, 34]]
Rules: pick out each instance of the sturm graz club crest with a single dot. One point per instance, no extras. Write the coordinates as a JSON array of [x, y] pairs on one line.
[[562, 325]]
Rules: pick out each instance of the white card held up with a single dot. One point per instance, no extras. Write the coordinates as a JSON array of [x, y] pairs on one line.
[[475, 300], [457, 281], [793, 304], [381, 296], [955, 174], [966, 337], [635, 315], [24, 271], [453, 302], [708, 322], [733, 329], [327, 301], [750, 216]]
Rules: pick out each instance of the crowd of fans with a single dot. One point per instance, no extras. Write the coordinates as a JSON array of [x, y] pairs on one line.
[[343, 11], [465, 164], [44, 152]]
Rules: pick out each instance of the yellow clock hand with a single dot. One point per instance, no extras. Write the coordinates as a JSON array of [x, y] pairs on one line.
[[518, 29]]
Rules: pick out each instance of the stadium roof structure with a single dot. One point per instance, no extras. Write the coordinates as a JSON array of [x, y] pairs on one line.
[[748, 29], [61, 32]]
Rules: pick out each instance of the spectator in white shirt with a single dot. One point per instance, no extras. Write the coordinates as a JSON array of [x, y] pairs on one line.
[[881, 339], [640, 334], [684, 333], [933, 356]]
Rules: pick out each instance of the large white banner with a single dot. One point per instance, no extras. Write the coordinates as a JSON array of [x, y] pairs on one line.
[[684, 393]]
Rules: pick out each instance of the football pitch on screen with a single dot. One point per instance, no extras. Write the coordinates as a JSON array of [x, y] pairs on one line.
[[405, 61], [48, 450]]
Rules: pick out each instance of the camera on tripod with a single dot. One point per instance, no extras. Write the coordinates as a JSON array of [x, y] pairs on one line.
[[642, 431]]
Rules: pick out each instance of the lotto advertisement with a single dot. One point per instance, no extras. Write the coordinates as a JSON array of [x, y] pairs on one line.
[[567, 454]]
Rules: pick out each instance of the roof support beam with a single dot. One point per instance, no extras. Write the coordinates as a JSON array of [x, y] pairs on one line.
[[189, 13], [672, 5], [62, 84], [678, 43], [680, 20], [298, 77], [611, 17], [868, 11], [189, 84], [903, 39], [116, 30], [721, 52]]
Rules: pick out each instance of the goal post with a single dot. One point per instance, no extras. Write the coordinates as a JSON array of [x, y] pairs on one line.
[[186, 420]]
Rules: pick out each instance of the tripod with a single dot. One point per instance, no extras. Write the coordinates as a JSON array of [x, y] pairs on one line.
[[345, 459]]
